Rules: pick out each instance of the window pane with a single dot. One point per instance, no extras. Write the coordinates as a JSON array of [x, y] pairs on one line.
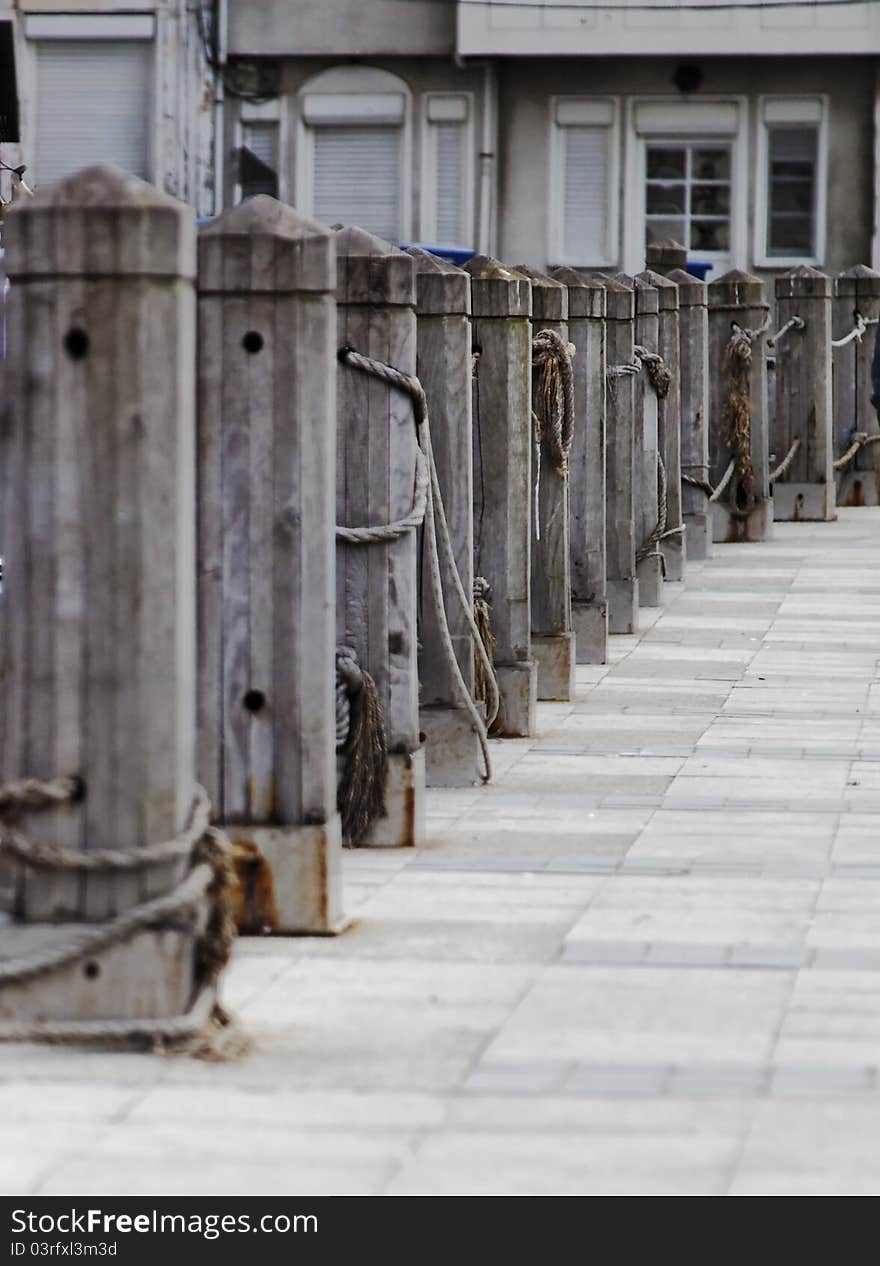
[[258, 160], [792, 190], [711, 164], [710, 235], [665, 163], [710, 200], [665, 199], [658, 230]]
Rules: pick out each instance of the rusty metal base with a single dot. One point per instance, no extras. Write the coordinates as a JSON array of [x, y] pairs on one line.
[[590, 623], [452, 751], [518, 686], [555, 656], [699, 536], [757, 526], [623, 606], [650, 574], [306, 867], [856, 488], [803, 503], [404, 823]]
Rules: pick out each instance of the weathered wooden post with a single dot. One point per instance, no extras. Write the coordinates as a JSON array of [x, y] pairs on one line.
[[738, 427], [445, 370], [266, 484], [694, 379], [855, 418], [97, 616], [621, 374], [501, 299], [376, 462], [802, 438], [646, 478], [673, 543], [586, 478], [553, 643]]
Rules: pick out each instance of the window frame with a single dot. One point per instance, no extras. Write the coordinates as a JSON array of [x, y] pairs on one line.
[[273, 111], [368, 83], [428, 185], [797, 108], [689, 121], [557, 254]]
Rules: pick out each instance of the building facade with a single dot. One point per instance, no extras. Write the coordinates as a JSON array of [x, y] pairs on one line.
[[548, 132]]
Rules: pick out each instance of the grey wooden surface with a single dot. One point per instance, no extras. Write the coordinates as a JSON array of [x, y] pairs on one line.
[[803, 397], [856, 290], [647, 443], [550, 562], [501, 300], [375, 477], [694, 404], [266, 484], [586, 479], [673, 548], [97, 488], [739, 297], [445, 369], [622, 585]]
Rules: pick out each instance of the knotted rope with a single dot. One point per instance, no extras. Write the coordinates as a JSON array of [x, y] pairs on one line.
[[860, 440], [793, 323], [714, 494], [483, 621], [210, 881], [736, 409], [361, 737], [554, 418], [784, 466], [629, 370], [436, 536], [658, 371], [858, 330], [660, 378]]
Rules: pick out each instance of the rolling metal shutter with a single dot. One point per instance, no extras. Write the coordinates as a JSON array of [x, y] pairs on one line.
[[585, 223], [357, 177], [450, 182], [94, 105]]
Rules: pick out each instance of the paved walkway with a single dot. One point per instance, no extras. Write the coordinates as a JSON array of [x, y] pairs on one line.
[[647, 959]]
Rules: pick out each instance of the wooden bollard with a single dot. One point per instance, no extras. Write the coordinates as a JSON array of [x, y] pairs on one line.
[[376, 455], [803, 398], [501, 300], [586, 478], [445, 371], [620, 544], [694, 382], [97, 616], [266, 446], [857, 293], [646, 477], [553, 642], [673, 545], [744, 511]]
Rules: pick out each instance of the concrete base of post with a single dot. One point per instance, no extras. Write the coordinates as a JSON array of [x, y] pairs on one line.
[[699, 535], [650, 577], [161, 961], [590, 623], [403, 825], [452, 750], [518, 688], [857, 488], [728, 529], [675, 550], [306, 866], [623, 606], [804, 503], [555, 654]]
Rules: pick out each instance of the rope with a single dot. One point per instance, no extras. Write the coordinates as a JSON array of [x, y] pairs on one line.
[[860, 440], [793, 323], [361, 736], [659, 373], [628, 370], [483, 621], [554, 420], [661, 532], [858, 330], [387, 532], [436, 526], [211, 879], [783, 468], [736, 409]]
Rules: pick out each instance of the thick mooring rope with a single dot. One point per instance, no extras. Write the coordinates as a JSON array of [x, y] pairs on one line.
[[860, 440], [659, 374], [483, 621], [780, 471], [437, 535], [554, 418], [211, 879], [858, 330], [363, 741], [714, 494], [736, 409]]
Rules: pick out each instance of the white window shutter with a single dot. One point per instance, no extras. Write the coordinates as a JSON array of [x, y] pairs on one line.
[[261, 138], [94, 104], [357, 178], [450, 178], [585, 193]]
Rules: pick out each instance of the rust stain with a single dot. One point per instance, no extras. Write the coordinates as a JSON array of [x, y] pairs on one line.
[[855, 494], [255, 910]]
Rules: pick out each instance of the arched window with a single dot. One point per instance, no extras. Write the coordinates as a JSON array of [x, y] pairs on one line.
[[353, 154]]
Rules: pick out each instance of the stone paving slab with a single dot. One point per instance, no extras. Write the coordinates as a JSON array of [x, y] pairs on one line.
[[645, 959]]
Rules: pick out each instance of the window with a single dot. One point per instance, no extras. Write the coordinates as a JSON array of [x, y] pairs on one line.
[[688, 194], [351, 166], [583, 230], [791, 193], [258, 159], [447, 170]]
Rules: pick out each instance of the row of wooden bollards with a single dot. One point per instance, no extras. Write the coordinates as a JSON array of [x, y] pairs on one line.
[[184, 435]]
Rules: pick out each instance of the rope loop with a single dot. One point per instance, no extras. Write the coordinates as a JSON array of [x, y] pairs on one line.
[[554, 418]]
